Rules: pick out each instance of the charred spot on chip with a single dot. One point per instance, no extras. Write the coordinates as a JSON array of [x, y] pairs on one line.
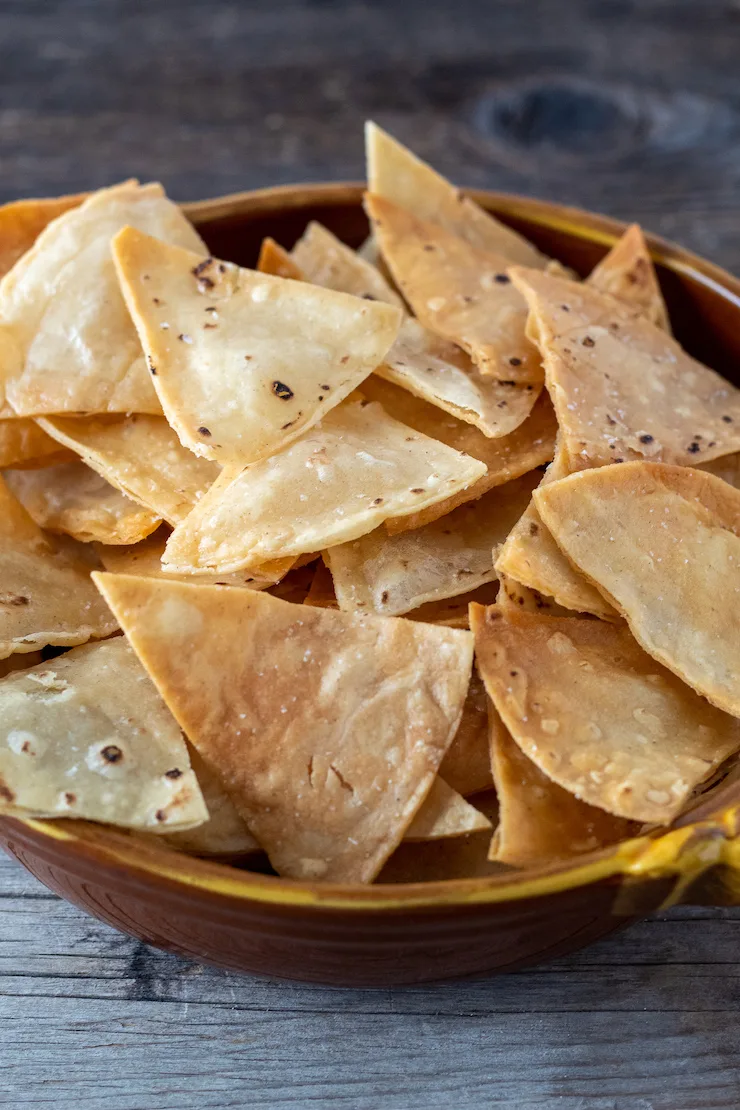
[[176, 772], [428, 246], [378, 501], [221, 268], [727, 419], [160, 815], [70, 798], [185, 338], [152, 367], [325, 388], [211, 308], [368, 297], [418, 489], [534, 528], [513, 673], [565, 307], [203, 431], [384, 597], [156, 300], [14, 600], [646, 438], [210, 325], [515, 361], [284, 427], [111, 753], [502, 279], [587, 341], [693, 448], [506, 381], [343, 359], [198, 270], [283, 391], [5, 792]]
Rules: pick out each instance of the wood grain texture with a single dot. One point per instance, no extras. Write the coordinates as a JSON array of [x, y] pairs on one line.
[[630, 107]]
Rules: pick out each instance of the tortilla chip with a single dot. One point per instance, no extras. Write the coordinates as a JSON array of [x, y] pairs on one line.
[[459, 292], [326, 729], [539, 822], [395, 574], [321, 591], [663, 544], [145, 558], [529, 446], [596, 714], [622, 388], [531, 557], [74, 500], [24, 444], [22, 221], [247, 362], [292, 586], [467, 765], [727, 468], [457, 857], [46, 596], [627, 273], [225, 833], [141, 456], [398, 175], [453, 611], [67, 343], [325, 260], [275, 260], [340, 480], [20, 662], [87, 735], [445, 813], [513, 594]]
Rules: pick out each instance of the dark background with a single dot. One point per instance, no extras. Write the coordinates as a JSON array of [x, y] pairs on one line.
[[631, 108]]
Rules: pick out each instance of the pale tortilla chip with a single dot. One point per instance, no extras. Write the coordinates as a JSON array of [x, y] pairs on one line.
[[326, 729], [622, 388], [531, 557], [597, 715], [398, 175], [445, 813], [325, 260], [539, 822], [87, 736], [392, 575], [46, 596], [72, 499], [663, 544], [467, 765], [24, 444], [243, 362], [529, 446], [67, 343], [145, 558], [141, 456], [339, 480], [459, 292], [225, 833], [274, 259], [627, 273], [22, 221]]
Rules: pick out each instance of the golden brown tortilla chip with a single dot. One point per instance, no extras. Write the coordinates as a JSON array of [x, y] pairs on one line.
[[145, 558], [46, 596], [326, 729], [530, 445], [72, 499], [67, 343], [398, 175], [337, 482], [87, 735], [627, 273], [141, 456], [428, 861], [727, 468], [394, 574], [22, 221], [663, 544], [24, 444], [539, 822], [445, 813], [323, 259], [243, 362], [467, 765], [321, 591], [459, 292], [513, 594], [225, 833], [531, 557], [596, 714], [622, 388], [275, 260]]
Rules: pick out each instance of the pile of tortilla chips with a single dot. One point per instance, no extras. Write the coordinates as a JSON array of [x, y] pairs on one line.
[[412, 563]]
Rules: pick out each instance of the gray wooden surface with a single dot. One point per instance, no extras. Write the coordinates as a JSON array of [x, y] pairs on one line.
[[627, 107]]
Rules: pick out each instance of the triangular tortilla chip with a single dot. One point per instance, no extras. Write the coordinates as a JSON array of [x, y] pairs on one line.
[[459, 292], [513, 595], [531, 557], [145, 558], [325, 260], [663, 544], [622, 388], [627, 273], [24, 444], [398, 175], [141, 456], [72, 499], [326, 729], [530, 445], [453, 611], [597, 715], [274, 259], [243, 362], [46, 596], [467, 764], [67, 343], [539, 822], [321, 591], [225, 833], [87, 735], [727, 468], [429, 861], [445, 813], [339, 480], [22, 221], [395, 574]]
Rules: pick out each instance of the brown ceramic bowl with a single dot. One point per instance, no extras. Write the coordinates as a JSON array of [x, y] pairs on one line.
[[408, 933]]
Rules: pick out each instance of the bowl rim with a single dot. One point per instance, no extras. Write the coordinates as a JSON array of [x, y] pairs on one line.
[[682, 853]]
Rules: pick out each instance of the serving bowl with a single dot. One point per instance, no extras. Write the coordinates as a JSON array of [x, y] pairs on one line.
[[389, 934]]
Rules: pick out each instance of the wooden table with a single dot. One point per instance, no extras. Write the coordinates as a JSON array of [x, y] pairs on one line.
[[626, 107]]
